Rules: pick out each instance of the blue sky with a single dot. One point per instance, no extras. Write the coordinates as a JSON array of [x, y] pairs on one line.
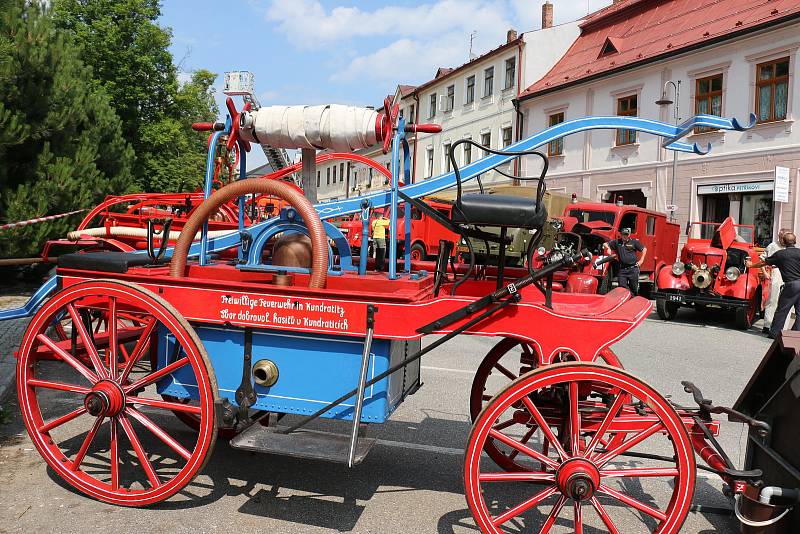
[[321, 51]]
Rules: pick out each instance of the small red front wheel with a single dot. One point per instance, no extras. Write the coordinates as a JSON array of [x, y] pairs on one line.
[[572, 460], [91, 400]]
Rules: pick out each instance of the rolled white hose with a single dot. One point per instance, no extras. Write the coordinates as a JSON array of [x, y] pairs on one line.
[[124, 231], [340, 128]]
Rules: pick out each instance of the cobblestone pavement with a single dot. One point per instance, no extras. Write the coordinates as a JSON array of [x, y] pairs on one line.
[[10, 336]]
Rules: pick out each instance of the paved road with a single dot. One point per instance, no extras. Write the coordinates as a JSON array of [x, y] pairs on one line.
[[411, 482]]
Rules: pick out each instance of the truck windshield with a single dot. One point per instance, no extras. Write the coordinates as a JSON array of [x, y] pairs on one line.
[[593, 215]]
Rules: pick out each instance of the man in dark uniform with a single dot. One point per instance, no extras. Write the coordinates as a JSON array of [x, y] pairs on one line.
[[788, 262], [625, 249]]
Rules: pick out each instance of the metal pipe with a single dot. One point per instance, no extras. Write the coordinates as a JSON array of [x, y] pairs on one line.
[[212, 151], [362, 379]]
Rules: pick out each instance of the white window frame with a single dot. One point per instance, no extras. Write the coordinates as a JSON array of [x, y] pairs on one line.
[[491, 91], [466, 90], [432, 102], [513, 74], [447, 146], [449, 101], [429, 161]]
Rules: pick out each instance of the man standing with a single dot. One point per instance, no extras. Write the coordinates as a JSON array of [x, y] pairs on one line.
[[788, 262], [379, 226], [776, 280], [625, 249]]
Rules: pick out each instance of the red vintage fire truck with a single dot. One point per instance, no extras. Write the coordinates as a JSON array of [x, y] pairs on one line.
[[425, 232], [590, 224]]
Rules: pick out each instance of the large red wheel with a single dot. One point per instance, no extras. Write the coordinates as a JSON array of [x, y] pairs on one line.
[[97, 416], [651, 472], [505, 362]]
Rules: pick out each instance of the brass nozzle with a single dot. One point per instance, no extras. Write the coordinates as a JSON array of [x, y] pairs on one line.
[[265, 373]]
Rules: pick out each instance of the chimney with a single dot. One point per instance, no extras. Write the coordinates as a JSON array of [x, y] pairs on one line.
[[547, 15], [511, 35]]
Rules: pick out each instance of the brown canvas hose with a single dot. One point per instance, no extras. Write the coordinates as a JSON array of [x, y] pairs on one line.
[[319, 249]]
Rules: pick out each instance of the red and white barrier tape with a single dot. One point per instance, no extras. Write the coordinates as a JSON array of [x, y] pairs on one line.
[[39, 219]]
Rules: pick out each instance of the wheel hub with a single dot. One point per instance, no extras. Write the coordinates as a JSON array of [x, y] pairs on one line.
[[106, 398], [578, 478]]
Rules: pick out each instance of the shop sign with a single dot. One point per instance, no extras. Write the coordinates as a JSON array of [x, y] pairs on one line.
[[740, 187], [781, 184]]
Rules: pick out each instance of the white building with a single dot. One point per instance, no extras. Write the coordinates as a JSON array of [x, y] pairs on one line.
[[473, 101], [732, 57]]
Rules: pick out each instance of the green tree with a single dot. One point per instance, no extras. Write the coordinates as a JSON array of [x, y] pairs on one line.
[[129, 53], [61, 143]]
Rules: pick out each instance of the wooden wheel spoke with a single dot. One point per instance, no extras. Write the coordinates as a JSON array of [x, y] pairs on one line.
[[524, 506], [502, 369], [59, 386], [159, 432], [68, 358], [524, 449], [551, 519], [140, 452], [525, 439], [113, 348], [601, 511], [47, 427], [574, 419], [88, 342], [114, 454], [630, 501], [603, 459], [517, 477], [138, 350], [155, 376], [76, 463], [546, 430], [166, 405], [605, 424], [637, 472], [505, 424], [577, 517]]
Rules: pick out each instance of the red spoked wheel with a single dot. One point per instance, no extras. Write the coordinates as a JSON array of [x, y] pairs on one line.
[[504, 363], [652, 471], [97, 418]]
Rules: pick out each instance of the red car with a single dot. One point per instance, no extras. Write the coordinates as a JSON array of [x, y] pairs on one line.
[[711, 272]]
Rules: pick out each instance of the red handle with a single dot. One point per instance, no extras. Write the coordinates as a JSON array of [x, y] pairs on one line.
[[202, 126], [424, 128]]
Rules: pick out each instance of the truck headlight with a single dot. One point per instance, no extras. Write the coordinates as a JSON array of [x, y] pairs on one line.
[[678, 268], [732, 273], [356, 237], [541, 251]]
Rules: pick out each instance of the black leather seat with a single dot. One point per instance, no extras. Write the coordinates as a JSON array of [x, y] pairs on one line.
[[106, 261], [499, 210]]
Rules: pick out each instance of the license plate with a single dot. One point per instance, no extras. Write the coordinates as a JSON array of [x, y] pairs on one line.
[[674, 298]]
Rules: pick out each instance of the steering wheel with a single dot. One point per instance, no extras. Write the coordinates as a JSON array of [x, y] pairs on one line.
[[281, 190]]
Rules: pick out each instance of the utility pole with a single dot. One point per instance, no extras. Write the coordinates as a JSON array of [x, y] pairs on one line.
[[665, 101]]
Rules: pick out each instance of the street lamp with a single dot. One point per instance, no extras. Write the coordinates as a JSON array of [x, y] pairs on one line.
[[665, 101]]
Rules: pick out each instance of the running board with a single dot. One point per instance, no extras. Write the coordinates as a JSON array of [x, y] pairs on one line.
[[309, 444]]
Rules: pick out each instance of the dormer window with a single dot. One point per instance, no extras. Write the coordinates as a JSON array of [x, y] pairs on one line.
[[609, 48]]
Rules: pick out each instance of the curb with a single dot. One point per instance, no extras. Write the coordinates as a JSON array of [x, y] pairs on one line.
[[10, 335]]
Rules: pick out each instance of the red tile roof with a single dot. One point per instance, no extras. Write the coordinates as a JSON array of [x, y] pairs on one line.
[[405, 90], [645, 30]]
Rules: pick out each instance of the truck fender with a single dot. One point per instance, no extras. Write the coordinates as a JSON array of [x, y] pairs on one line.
[[581, 283], [666, 280]]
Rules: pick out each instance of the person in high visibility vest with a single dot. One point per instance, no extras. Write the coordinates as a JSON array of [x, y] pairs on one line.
[[379, 226]]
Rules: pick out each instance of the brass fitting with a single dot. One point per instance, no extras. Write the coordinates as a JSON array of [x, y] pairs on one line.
[[265, 373]]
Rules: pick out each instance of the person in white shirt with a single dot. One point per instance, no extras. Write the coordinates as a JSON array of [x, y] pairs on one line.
[[776, 280]]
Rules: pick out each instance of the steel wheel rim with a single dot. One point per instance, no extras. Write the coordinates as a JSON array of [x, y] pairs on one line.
[[683, 475], [72, 467]]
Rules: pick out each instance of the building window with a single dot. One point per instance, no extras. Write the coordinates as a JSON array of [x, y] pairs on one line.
[[511, 68], [470, 92], [334, 174], [486, 140], [411, 116], [429, 165], [447, 157], [467, 152], [772, 90], [506, 134], [708, 98], [319, 176], [488, 82], [626, 107], [341, 172], [651, 225], [451, 98], [555, 148], [328, 176], [432, 106]]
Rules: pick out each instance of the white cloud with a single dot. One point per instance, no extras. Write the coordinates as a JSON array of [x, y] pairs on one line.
[[408, 43]]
